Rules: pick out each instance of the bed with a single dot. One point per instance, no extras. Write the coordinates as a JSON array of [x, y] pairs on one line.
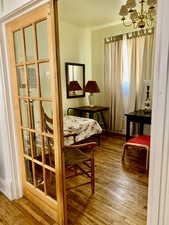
[[84, 128], [76, 130]]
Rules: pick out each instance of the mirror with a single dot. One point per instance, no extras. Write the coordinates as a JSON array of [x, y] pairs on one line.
[[75, 80]]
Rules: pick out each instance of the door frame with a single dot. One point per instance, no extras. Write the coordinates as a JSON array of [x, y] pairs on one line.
[[158, 204]]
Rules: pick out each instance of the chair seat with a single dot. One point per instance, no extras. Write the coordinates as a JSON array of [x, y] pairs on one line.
[[141, 140], [74, 156]]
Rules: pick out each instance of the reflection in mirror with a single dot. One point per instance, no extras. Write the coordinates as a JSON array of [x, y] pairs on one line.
[[75, 80]]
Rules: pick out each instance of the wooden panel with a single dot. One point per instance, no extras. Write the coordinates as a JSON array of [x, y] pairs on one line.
[[37, 14], [47, 207], [55, 68]]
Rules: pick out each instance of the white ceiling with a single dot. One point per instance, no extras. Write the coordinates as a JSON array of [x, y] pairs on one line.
[[90, 13]]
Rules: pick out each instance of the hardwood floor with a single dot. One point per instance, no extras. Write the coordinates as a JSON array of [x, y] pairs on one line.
[[121, 190], [120, 197]]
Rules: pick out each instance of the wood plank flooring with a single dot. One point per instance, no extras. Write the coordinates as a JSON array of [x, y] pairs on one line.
[[120, 197]]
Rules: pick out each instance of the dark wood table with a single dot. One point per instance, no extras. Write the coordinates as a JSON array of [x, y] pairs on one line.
[[92, 111], [137, 117]]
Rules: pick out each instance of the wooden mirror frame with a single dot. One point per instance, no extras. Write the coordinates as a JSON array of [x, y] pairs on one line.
[[67, 64]]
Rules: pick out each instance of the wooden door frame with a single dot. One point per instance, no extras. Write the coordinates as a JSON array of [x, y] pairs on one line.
[[158, 204]]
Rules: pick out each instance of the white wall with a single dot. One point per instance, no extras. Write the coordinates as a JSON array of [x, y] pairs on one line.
[[75, 47], [10, 5]]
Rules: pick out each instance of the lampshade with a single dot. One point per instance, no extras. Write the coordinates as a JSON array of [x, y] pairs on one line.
[[123, 11], [131, 4], [134, 15], [91, 87], [151, 2], [74, 86]]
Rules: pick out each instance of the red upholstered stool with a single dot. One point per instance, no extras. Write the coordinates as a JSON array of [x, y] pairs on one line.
[[140, 142]]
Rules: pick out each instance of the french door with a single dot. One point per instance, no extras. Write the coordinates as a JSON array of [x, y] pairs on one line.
[[33, 53]]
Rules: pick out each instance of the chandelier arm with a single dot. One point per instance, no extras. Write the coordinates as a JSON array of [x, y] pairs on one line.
[[127, 24], [149, 23], [135, 25]]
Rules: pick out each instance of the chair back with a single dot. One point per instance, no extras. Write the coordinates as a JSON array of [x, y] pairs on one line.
[[46, 120]]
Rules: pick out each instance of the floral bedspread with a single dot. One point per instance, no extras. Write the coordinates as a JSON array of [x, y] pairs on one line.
[[83, 127]]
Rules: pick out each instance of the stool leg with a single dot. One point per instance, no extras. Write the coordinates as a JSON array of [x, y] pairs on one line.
[[124, 151], [147, 159]]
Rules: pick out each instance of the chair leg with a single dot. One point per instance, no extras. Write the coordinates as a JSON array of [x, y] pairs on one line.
[[124, 151], [92, 173], [147, 159], [98, 139]]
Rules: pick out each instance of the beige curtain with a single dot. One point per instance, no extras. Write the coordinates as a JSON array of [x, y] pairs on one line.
[[113, 84], [141, 62]]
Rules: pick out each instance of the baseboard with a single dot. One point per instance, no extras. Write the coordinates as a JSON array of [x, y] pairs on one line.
[[6, 188], [111, 133]]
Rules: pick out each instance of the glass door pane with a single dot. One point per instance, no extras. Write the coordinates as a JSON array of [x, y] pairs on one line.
[[18, 45], [29, 43], [41, 29], [45, 80], [21, 79], [32, 81]]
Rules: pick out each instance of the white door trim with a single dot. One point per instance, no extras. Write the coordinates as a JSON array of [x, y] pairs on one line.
[[10, 185], [158, 203]]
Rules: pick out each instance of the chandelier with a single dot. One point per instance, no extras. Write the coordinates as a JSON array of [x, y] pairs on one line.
[[140, 16]]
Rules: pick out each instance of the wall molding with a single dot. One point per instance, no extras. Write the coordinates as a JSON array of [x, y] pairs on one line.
[[6, 188]]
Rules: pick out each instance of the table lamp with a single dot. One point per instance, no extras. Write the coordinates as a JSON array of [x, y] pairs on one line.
[[147, 103], [91, 87], [74, 86]]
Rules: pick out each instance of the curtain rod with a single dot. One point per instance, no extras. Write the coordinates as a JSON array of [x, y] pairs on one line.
[[129, 35]]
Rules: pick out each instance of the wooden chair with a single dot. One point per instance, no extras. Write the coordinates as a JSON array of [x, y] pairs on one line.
[[141, 142], [79, 158]]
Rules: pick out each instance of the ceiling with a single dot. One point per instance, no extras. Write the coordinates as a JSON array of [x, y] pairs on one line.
[[90, 13]]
